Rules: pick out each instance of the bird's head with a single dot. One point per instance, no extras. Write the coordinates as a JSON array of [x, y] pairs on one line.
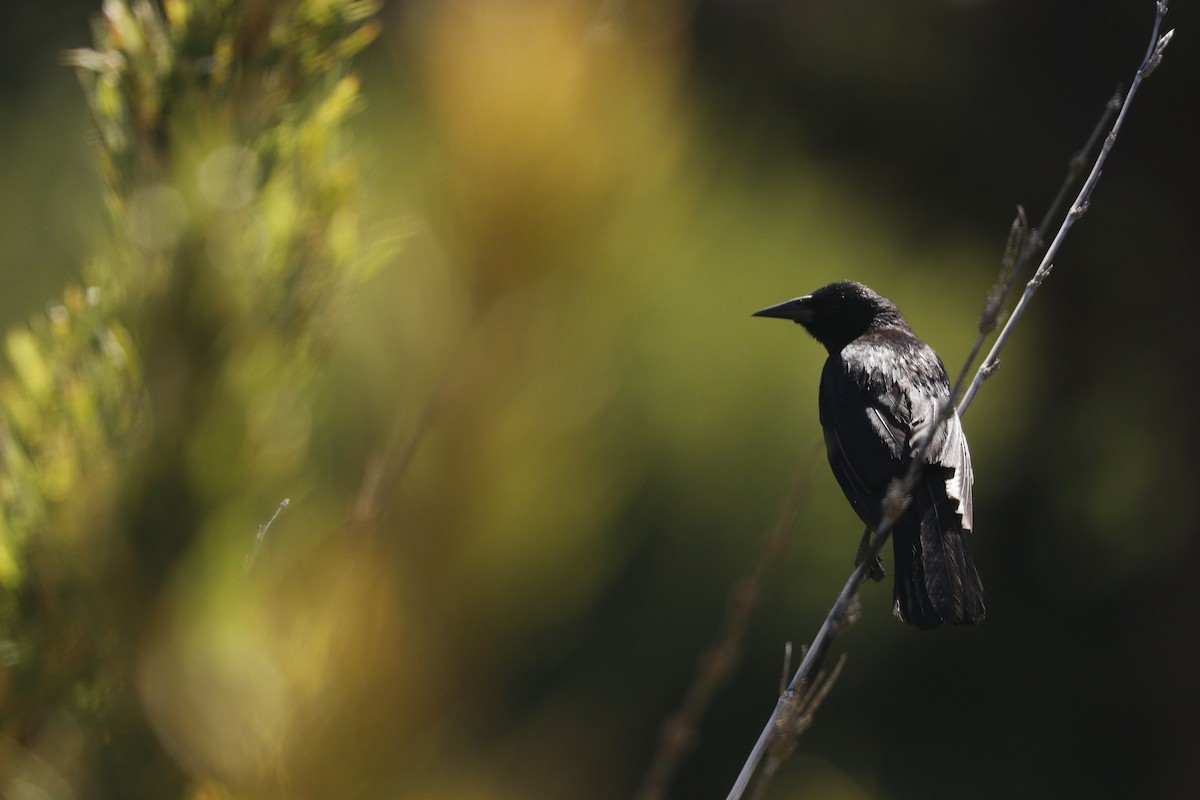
[[838, 314]]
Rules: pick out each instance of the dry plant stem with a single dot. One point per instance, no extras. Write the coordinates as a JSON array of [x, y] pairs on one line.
[[897, 498], [386, 468], [677, 737], [1153, 56], [802, 709]]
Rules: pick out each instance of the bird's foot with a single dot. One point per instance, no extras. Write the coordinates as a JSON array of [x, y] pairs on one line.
[[875, 570]]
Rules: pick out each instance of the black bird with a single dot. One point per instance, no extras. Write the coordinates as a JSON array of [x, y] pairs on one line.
[[879, 385]]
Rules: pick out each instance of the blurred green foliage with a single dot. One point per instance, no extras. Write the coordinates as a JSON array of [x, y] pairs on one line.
[[143, 408], [481, 315]]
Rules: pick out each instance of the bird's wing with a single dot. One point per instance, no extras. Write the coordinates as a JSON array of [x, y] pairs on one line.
[[950, 451], [868, 423], [948, 448], [865, 441]]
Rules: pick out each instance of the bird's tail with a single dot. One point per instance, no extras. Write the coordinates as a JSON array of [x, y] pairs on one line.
[[936, 581]]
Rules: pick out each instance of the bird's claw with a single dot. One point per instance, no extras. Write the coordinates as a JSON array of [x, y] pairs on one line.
[[875, 570]]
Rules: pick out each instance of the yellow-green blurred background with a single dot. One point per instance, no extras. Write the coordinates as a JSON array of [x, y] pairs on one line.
[[583, 201]]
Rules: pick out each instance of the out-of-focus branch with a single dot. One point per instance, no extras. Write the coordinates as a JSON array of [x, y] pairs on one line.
[[677, 736]]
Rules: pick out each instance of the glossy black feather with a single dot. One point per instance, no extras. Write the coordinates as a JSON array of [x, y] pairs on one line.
[[879, 384]]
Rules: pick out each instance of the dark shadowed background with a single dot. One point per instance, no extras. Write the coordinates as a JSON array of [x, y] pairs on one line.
[[589, 199]]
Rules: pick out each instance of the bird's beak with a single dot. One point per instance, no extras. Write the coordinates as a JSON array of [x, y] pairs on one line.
[[797, 310]]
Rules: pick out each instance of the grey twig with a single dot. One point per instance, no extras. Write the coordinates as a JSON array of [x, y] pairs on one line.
[[1020, 241]]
